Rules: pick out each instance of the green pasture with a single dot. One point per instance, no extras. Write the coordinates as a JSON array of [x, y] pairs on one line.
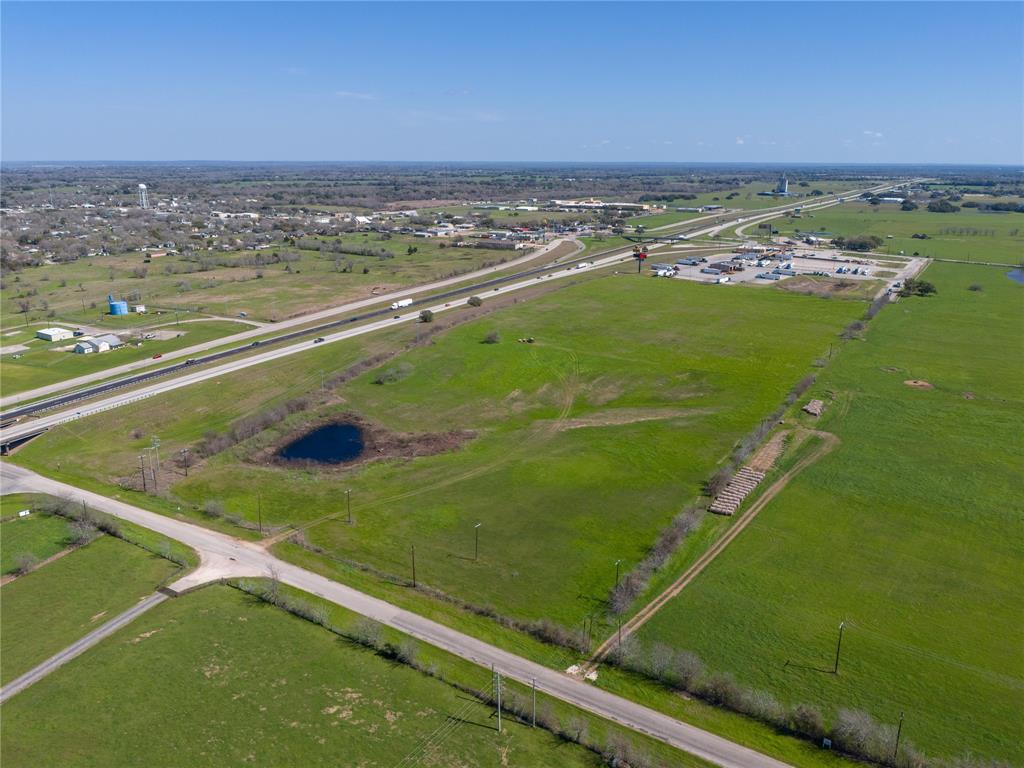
[[217, 678], [597, 434], [968, 235], [36, 535], [910, 532], [46, 610]]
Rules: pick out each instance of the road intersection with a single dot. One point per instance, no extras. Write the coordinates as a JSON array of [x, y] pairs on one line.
[[223, 557]]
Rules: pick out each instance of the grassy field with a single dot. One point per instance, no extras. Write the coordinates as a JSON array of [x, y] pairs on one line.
[[217, 678], [37, 535], [596, 438], [47, 609], [45, 363], [270, 292], [745, 197], [909, 531], [968, 235]]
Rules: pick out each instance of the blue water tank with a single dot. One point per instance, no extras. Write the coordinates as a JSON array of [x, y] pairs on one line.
[[117, 307]]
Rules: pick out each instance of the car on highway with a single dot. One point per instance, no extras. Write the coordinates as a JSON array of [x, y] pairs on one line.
[[191, 361], [157, 356], [319, 340], [254, 344]]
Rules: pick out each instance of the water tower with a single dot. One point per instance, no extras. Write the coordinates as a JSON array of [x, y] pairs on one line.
[[143, 197]]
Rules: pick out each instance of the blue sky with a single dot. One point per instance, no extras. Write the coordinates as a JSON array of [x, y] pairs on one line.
[[758, 82]]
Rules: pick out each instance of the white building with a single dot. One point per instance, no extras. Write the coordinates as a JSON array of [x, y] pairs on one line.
[[139, 309], [54, 334], [88, 346]]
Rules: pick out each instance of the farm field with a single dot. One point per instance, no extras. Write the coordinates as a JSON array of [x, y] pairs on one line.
[[745, 197], [633, 392], [967, 235], [47, 609], [36, 535], [45, 363], [612, 426], [231, 695], [227, 284], [909, 531]]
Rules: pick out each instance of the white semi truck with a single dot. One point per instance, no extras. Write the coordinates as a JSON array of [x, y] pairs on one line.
[[402, 303]]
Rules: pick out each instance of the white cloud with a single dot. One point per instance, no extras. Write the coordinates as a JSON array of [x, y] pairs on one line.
[[486, 116], [739, 140], [873, 134], [357, 95]]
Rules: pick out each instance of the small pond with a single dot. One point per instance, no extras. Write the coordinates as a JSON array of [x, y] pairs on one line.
[[329, 444], [1017, 275]]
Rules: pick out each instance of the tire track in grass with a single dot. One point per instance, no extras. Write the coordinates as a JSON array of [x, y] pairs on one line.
[[641, 617]]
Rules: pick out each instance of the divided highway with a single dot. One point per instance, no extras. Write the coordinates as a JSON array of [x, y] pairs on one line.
[[262, 329], [193, 372]]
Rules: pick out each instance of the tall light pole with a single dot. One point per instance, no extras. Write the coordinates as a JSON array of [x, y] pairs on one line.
[[184, 459], [476, 541], [617, 563], [839, 644], [348, 504]]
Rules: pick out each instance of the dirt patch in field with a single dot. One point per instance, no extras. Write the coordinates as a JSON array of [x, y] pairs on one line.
[[918, 384], [969, 395], [378, 443], [614, 417], [822, 286]]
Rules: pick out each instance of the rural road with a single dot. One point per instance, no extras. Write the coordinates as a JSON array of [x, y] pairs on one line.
[[79, 647], [261, 329], [222, 556]]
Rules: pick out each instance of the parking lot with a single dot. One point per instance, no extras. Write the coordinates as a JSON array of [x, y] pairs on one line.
[[755, 267]]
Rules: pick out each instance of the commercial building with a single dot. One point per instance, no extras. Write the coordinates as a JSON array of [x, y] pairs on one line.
[[87, 344], [54, 334]]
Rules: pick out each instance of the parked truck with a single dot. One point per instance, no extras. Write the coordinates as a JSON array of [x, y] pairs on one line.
[[402, 303]]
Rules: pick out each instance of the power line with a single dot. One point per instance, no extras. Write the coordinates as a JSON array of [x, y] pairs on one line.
[[439, 734]]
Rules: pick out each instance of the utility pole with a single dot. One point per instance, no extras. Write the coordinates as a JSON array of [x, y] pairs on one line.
[[476, 541], [533, 719], [348, 503], [620, 631], [617, 563], [899, 731], [142, 469], [259, 510], [499, 700], [184, 458], [839, 644], [412, 549]]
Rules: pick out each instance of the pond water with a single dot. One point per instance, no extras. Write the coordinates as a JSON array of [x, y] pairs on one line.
[[1016, 275], [330, 444]]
